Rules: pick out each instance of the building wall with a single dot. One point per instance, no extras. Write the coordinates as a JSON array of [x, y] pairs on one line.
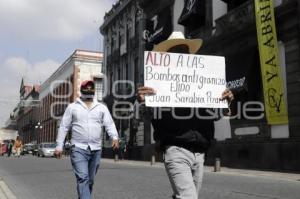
[[289, 34], [54, 97], [275, 146], [122, 59], [120, 43], [6, 134], [53, 106], [27, 113]]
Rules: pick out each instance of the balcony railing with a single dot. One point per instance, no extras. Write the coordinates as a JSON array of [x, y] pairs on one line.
[[236, 19]]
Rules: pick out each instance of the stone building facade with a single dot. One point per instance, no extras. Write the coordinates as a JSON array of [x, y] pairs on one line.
[[122, 31], [27, 111]]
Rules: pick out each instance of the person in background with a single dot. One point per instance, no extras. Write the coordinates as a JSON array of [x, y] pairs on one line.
[[86, 118], [18, 146], [122, 148], [9, 148]]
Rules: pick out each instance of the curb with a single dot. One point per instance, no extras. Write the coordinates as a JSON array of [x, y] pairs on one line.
[[265, 174], [134, 163], [224, 170], [5, 192]]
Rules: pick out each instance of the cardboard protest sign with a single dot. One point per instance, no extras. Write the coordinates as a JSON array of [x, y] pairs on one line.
[[184, 80]]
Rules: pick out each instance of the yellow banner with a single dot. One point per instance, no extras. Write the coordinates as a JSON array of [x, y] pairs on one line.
[[275, 105]]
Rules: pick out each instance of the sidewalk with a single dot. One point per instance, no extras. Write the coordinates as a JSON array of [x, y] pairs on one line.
[[5, 192], [224, 170]]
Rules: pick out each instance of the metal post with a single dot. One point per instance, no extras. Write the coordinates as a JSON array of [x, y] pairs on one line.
[[152, 159], [217, 165]]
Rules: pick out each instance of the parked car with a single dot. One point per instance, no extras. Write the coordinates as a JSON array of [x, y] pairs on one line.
[[46, 149], [35, 149], [28, 149]]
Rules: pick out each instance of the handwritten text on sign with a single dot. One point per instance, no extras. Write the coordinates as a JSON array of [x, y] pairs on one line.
[[184, 80]]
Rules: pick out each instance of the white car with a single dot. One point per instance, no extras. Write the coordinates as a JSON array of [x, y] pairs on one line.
[[46, 149]]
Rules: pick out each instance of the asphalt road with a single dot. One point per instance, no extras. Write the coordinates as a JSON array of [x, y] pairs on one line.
[[47, 178]]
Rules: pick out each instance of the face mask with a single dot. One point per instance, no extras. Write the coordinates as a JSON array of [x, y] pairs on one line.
[[87, 95]]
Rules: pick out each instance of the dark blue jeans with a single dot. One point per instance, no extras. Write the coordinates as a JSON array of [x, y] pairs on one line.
[[85, 165]]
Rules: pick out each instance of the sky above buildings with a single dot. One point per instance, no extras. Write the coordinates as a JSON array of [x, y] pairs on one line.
[[37, 36]]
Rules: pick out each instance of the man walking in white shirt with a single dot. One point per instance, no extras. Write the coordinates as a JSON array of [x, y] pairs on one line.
[[86, 119]]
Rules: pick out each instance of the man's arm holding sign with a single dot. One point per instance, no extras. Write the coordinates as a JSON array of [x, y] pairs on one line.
[[143, 91], [227, 95]]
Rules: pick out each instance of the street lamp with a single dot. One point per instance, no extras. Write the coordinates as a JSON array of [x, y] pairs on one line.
[[37, 126]]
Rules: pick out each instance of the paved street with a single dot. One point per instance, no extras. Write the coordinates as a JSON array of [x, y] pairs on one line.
[[45, 178]]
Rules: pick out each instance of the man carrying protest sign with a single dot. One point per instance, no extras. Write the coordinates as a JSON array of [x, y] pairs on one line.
[[183, 134]]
